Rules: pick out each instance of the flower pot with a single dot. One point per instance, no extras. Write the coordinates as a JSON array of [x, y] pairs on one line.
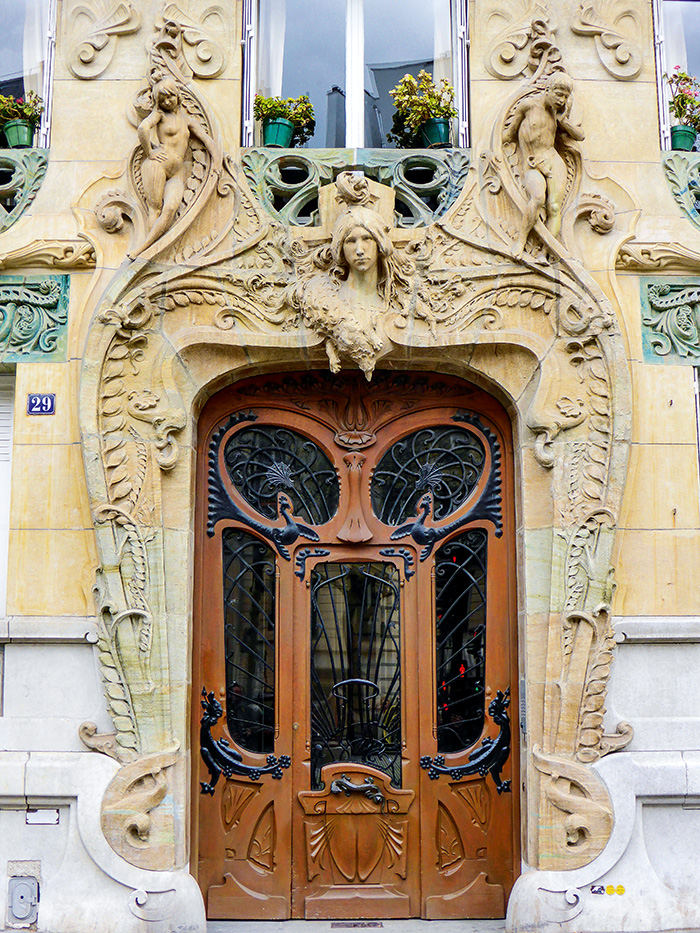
[[278, 133], [436, 133], [682, 137], [19, 134]]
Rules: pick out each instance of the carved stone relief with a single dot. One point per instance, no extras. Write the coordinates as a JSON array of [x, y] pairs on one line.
[[195, 34], [615, 25], [33, 318], [682, 171], [520, 47], [671, 320], [233, 288], [129, 819], [26, 169], [93, 30]]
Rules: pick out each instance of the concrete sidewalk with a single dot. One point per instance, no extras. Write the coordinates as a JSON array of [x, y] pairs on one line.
[[348, 926]]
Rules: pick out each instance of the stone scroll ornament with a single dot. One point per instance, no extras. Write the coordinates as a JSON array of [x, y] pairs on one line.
[[615, 25], [93, 30]]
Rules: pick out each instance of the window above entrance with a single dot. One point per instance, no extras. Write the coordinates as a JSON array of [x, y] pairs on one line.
[[347, 55]]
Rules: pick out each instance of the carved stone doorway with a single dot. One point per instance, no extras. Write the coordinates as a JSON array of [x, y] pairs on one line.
[[354, 651]]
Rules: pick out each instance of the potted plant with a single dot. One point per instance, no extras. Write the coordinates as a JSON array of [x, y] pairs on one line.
[[423, 112], [287, 122], [684, 107], [19, 117]]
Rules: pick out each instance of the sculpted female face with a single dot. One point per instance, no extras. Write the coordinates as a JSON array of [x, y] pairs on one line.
[[360, 249]]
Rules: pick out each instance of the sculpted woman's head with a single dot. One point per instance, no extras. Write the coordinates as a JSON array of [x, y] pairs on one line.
[[347, 233]]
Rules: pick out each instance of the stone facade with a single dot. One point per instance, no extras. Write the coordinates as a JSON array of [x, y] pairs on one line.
[[561, 274]]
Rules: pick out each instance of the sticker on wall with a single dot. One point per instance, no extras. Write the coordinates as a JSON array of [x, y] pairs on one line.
[[41, 403]]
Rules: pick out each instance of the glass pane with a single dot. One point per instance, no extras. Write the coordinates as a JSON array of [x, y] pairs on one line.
[[355, 667], [682, 35], [460, 632], [249, 639], [301, 50], [264, 461], [401, 36], [445, 461], [23, 46]]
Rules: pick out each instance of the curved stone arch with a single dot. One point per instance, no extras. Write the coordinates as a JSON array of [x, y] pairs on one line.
[[155, 354]]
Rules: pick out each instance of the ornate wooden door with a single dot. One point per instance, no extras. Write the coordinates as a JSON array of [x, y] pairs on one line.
[[354, 650]]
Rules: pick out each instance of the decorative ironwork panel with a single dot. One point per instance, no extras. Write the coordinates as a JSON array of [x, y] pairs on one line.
[[355, 667], [265, 460], [445, 461], [249, 639], [460, 633]]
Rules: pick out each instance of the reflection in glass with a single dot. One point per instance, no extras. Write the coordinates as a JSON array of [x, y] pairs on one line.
[[401, 36], [681, 21], [460, 633], [249, 639], [355, 667], [301, 50], [23, 41]]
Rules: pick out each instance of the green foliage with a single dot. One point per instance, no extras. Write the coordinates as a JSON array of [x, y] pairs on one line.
[[418, 100], [30, 107], [685, 98], [298, 110]]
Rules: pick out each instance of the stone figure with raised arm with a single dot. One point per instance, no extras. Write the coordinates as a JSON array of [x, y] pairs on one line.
[[165, 137], [538, 122]]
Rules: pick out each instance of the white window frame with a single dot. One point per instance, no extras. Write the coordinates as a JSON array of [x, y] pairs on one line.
[[662, 67], [355, 70]]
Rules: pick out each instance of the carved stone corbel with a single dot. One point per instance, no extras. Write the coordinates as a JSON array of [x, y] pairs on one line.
[[92, 30], [609, 23], [135, 824], [51, 254]]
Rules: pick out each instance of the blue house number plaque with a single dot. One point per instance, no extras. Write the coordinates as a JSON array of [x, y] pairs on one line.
[[41, 403]]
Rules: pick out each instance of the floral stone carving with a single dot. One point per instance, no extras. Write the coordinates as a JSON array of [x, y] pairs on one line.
[[33, 318], [518, 49], [234, 288], [671, 321]]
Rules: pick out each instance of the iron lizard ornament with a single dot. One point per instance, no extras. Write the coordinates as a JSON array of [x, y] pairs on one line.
[[220, 758], [491, 755]]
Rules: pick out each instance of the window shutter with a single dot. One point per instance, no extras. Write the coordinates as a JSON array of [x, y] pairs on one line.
[[7, 393], [248, 91]]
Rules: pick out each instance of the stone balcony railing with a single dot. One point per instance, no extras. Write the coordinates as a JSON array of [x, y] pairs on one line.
[[288, 181], [682, 170]]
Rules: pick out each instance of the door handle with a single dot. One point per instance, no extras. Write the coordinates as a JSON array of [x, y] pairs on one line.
[[368, 788], [220, 758]]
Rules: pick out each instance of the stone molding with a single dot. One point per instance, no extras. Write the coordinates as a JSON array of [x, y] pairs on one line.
[[223, 300], [48, 629], [657, 630]]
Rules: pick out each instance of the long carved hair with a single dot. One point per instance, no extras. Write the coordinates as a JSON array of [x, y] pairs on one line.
[[393, 272]]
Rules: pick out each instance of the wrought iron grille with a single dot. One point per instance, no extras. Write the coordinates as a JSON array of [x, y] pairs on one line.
[[460, 578], [446, 461], [249, 639], [264, 460], [355, 667]]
